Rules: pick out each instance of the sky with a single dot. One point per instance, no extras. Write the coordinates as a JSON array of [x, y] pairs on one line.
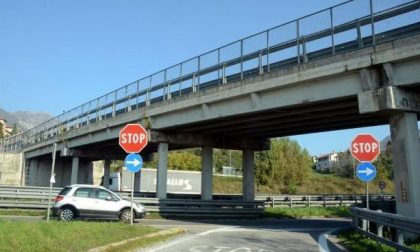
[[56, 55]]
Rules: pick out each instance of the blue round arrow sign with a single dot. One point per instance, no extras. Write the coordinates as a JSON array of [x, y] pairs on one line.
[[133, 162], [366, 171]]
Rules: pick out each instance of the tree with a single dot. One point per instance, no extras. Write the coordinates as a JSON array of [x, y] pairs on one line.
[[14, 130], [1, 131], [345, 165], [284, 167]]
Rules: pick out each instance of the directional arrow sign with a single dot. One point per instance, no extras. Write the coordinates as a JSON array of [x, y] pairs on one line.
[[133, 162], [366, 171]]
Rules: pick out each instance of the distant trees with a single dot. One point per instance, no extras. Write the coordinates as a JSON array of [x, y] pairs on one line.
[[345, 165], [1, 131], [284, 167], [14, 129]]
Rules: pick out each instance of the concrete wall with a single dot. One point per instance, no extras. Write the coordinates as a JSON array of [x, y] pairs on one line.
[[11, 169], [39, 172]]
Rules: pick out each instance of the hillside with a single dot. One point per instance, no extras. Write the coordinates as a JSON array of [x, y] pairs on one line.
[[24, 119], [315, 184]]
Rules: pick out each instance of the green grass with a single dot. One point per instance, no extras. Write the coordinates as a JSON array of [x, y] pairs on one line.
[[65, 236], [22, 212], [316, 183], [354, 241], [307, 212]]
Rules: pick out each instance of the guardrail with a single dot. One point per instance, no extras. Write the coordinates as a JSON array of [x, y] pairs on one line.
[[345, 27], [319, 200], [373, 225], [37, 198]]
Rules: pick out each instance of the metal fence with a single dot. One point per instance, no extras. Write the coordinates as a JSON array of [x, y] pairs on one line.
[[321, 200], [384, 227], [341, 28], [37, 198]]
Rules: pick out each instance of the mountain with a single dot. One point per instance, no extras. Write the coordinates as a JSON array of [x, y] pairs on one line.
[[29, 119], [24, 119]]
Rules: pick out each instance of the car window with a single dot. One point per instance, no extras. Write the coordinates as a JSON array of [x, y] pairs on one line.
[[102, 194], [83, 192], [65, 190]]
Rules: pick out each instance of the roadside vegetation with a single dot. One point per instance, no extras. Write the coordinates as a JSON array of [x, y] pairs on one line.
[[301, 212], [286, 168], [70, 236], [356, 242]]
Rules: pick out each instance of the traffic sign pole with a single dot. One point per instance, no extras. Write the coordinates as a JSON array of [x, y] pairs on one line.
[[51, 180], [367, 195], [132, 197]]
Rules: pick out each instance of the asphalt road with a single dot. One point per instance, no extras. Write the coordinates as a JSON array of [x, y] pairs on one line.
[[266, 235]]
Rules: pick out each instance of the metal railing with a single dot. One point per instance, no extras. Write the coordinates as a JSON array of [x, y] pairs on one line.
[[321, 200], [341, 28], [37, 198], [373, 225]]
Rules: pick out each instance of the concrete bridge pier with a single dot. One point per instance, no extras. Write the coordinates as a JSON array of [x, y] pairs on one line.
[[248, 177], [107, 171], [68, 171], [74, 170], [207, 173], [162, 171], [406, 158]]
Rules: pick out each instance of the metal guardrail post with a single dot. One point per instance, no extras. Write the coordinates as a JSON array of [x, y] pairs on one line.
[[224, 80], [242, 60], [359, 35], [332, 31], [305, 56], [260, 66], [297, 41], [372, 23], [268, 50]]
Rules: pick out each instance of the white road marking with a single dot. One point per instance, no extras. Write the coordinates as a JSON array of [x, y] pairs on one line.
[[322, 241], [185, 239]]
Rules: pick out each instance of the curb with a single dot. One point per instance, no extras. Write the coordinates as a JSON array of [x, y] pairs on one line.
[[120, 243]]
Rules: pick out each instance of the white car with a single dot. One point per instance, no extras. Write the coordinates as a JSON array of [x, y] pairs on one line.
[[89, 201]]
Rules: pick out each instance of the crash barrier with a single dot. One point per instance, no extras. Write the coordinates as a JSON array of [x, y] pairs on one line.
[[37, 198], [321, 200], [386, 228]]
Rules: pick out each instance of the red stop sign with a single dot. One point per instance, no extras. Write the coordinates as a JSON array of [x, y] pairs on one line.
[[365, 148], [133, 138]]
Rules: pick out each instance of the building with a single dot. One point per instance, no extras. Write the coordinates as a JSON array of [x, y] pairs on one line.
[[7, 130], [325, 163]]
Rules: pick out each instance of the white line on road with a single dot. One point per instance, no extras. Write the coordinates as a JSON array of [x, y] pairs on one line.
[[322, 241], [185, 239]]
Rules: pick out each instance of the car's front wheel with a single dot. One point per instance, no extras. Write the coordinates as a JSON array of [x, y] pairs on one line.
[[66, 214], [126, 215]]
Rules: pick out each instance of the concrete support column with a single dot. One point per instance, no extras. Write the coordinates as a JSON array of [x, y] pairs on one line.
[[33, 172], [248, 175], [74, 170], [406, 158], [89, 170], [137, 179], [207, 173], [107, 171], [162, 171]]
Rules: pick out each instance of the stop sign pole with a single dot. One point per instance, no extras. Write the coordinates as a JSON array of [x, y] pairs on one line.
[[365, 148], [133, 139]]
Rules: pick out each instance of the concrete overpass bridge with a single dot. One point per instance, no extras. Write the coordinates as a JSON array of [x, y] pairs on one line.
[[325, 71]]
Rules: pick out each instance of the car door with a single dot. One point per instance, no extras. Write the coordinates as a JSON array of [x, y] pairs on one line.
[[107, 205], [83, 202]]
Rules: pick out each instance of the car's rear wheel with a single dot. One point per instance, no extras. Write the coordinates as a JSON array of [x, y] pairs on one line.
[[66, 214], [126, 215]]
